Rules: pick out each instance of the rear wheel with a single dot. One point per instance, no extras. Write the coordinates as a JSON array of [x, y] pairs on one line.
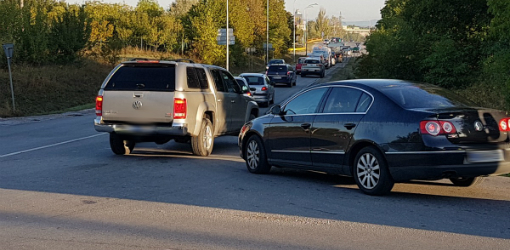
[[202, 144], [371, 172], [120, 146], [466, 181], [255, 155]]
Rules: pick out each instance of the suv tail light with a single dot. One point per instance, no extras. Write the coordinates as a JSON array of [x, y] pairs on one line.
[[437, 128], [288, 73], [504, 124], [264, 88], [180, 108], [99, 105]]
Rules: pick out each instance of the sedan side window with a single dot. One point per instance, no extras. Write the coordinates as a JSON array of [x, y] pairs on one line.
[[306, 103], [342, 100]]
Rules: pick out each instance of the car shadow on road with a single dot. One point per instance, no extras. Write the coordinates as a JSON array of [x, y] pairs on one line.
[[171, 174]]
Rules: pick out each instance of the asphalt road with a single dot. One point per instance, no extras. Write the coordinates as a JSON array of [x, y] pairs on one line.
[[62, 188]]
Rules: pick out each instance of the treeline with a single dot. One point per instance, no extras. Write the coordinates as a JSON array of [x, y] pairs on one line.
[[455, 44], [50, 31]]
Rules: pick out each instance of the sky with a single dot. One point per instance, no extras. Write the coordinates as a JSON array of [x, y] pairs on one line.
[[352, 10]]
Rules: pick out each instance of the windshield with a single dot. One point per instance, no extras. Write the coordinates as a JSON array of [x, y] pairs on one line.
[[424, 96], [254, 80]]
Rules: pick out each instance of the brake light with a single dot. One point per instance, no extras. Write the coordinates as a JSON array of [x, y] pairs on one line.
[[180, 108], [288, 73], [264, 88], [437, 127], [504, 124], [99, 105], [248, 94]]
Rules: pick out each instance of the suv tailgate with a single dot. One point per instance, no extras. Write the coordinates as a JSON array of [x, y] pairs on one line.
[[140, 93]]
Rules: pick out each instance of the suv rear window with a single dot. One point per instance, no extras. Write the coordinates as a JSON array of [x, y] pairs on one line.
[[148, 77], [279, 68]]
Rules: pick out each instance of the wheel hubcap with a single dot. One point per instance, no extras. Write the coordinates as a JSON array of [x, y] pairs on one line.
[[207, 139], [252, 155], [368, 171]]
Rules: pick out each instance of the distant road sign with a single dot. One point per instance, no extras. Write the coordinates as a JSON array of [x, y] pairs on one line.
[[8, 49], [222, 37]]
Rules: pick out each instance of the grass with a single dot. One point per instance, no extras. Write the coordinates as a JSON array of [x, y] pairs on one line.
[[346, 72]]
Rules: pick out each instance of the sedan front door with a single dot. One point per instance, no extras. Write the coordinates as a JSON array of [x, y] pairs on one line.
[[288, 136]]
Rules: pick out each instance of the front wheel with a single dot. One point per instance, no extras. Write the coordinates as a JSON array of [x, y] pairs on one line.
[[466, 181], [202, 145], [255, 156], [120, 146], [371, 172]]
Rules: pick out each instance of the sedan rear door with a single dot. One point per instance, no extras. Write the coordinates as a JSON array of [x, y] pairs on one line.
[[334, 127]]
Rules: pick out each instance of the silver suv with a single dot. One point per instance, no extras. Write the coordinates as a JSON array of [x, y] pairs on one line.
[[157, 101]]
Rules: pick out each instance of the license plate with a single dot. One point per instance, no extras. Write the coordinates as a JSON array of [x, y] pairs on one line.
[[277, 77], [485, 156], [312, 65]]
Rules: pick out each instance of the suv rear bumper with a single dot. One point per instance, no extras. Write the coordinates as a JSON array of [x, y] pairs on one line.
[[177, 129]]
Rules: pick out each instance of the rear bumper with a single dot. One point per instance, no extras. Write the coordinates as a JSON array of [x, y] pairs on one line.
[[312, 71], [261, 97], [175, 129], [404, 167]]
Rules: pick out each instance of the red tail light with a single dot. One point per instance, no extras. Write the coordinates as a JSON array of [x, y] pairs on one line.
[[180, 108], [248, 94], [99, 105], [437, 127], [504, 124], [264, 88], [288, 73]]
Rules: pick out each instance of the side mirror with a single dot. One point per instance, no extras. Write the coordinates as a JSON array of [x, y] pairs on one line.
[[276, 110]]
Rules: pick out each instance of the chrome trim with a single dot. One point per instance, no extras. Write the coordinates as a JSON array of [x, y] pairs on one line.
[[328, 152], [333, 86], [427, 152], [290, 151]]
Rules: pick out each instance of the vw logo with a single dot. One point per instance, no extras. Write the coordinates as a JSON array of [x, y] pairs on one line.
[[478, 126], [137, 104]]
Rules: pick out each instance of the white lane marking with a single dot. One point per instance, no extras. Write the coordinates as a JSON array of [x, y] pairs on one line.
[[48, 146]]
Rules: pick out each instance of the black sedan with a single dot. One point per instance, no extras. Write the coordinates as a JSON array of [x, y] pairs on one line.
[[380, 132]]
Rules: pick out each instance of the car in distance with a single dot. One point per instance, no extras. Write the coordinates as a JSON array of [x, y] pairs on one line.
[[261, 87], [326, 41], [313, 66], [380, 132], [282, 73], [245, 87], [299, 64], [275, 61], [156, 101]]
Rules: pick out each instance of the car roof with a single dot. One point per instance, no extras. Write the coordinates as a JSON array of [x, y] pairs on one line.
[[252, 74], [377, 84]]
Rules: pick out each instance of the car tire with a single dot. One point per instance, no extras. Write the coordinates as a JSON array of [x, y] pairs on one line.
[[272, 100], [371, 172], [120, 146], [466, 181], [202, 145], [255, 156], [322, 75]]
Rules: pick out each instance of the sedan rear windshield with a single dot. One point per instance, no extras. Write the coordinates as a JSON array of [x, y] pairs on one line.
[[424, 96], [312, 62], [278, 68], [254, 80], [148, 77]]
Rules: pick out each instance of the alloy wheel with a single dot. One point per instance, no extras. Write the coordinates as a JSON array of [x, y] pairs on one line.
[[208, 137], [253, 154], [368, 171]]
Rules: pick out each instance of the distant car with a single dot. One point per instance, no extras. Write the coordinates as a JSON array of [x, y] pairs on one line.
[[319, 55], [313, 66], [244, 86], [282, 73], [380, 132], [326, 41], [275, 61], [299, 63], [261, 88]]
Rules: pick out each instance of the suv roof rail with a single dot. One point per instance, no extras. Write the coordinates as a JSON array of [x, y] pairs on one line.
[[142, 59], [184, 60]]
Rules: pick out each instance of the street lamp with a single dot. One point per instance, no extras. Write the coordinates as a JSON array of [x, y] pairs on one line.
[[306, 28], [267, 34], [294, 36]]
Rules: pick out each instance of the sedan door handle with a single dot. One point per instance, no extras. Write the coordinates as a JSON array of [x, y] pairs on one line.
[[349, 125], [306, 126]]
